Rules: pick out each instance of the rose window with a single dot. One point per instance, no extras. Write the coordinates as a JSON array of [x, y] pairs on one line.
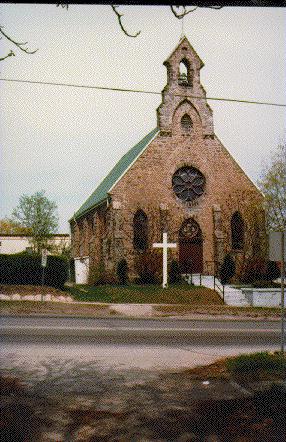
[[188, 183], [190, 230]]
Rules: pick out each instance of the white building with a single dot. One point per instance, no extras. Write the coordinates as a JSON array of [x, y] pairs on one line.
[[16, 243]]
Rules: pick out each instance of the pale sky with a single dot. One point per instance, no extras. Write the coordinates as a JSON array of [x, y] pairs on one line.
[[65, 140]]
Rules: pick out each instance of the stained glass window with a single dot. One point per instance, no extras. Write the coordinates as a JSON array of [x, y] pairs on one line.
[[188, 183]]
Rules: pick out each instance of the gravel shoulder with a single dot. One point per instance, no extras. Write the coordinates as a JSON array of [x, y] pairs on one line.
[[100, 310]]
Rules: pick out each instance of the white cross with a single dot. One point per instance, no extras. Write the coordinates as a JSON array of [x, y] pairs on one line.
[[165, 246]]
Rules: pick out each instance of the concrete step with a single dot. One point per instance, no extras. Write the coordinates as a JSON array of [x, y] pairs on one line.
[[232, 296]]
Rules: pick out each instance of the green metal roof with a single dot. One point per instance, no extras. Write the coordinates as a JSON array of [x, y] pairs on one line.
[[100, 193]]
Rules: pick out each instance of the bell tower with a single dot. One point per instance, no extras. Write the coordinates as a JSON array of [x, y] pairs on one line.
[[183, 92]]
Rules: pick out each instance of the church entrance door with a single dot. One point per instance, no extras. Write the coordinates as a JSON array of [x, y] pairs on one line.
[[190, 247]]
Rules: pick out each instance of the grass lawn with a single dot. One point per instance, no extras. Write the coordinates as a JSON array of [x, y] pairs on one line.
[[149, 294], [245, 367]]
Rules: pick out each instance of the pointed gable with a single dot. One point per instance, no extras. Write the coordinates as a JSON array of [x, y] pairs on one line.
[[183, 47]]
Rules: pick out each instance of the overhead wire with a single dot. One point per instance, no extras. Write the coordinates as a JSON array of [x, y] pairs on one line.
[[140, 91]]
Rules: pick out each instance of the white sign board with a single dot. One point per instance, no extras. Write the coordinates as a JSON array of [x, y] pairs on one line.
[[275, 246], [81, 270], [44, 258]]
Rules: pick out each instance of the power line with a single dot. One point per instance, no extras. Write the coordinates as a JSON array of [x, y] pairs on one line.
[[140, 91]]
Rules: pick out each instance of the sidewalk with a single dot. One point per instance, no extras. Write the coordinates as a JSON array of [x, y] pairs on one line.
[[144, 311]]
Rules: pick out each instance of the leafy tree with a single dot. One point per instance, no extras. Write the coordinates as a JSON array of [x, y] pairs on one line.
[[273, 185], [250, 205], [38, 214], [8, 226]]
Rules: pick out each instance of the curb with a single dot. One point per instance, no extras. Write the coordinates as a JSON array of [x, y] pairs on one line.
[[215, 318]]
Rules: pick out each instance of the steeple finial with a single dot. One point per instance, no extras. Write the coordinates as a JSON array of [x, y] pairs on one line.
[[182, 31]]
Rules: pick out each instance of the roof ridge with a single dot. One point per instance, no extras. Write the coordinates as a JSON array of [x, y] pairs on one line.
[[100, 194]]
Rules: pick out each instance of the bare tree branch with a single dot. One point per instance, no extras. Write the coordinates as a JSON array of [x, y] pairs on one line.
[[184, 13], [8, 55], [214, 7], [63, 5], [18, 44], [120, 22]]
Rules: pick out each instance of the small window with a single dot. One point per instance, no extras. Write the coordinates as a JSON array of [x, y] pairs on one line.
[[237, 231], [186, 123]]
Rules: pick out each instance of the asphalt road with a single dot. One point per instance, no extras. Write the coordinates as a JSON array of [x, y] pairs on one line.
[[139, 331], [118, 343]]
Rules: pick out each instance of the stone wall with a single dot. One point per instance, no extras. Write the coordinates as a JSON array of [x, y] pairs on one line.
[[147, 185]]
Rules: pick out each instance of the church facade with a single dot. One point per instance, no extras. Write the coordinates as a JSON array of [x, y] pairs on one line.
[[178, 179]]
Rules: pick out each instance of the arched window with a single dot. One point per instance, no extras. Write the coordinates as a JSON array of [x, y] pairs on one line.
[[140, 231], [237, 231], [186, 123], [185, 77]]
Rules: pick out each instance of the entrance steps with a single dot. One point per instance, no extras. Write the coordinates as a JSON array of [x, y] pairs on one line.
[[232, 296]]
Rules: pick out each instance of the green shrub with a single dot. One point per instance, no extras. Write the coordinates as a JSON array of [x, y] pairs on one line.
[[23, 269], [254, 270], [148, 265], [122, 271], [272, 271], [72, 269], [100, 276], [96, 274], [258, 269], [56, 272], [174, 272], [227, 270], [255, 362]]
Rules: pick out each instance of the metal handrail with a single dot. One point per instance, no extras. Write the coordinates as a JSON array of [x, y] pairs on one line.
[[220, 289]]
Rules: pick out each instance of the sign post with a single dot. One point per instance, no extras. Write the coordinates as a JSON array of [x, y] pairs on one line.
[[44, 265], [165, 246], [277, 252]]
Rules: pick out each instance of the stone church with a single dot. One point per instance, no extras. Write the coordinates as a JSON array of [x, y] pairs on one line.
[[178, 179]]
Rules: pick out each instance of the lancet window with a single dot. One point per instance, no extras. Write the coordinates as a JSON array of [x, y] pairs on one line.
[[186, 123], [237, 231], [140, 231]]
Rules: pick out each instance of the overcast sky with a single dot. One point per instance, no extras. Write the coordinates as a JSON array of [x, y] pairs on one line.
[[65, 140]]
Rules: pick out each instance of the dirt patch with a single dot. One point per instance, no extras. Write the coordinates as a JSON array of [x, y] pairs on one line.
[[24, 290], [54, 308], [218, 310], [172, 407]]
